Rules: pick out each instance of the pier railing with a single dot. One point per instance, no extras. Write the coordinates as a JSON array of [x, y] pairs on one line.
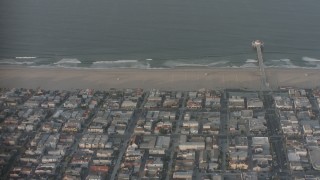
[[258, 45]]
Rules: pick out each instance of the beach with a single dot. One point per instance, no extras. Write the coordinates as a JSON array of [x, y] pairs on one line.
[[164, 79]]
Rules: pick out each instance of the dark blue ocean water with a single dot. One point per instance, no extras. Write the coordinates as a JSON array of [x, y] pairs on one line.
[[124, 33]]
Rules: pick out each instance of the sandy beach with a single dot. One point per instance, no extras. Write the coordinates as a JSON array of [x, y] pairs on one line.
[[169, 79]]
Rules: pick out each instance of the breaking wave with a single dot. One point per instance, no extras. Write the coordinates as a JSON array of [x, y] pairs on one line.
[[25, 57], [312, 62], [282, 63], [44, 62], [13, 62], [308, 59], [173, 64], [119, 64], [249, 65], [218, 64], [251, 61], [116, 62], [68, 61]]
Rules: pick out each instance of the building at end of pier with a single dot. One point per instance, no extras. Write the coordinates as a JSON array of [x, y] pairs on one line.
[[257, 43]]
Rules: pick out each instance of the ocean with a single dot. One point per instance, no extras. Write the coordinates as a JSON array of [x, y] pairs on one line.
[[158, 33]]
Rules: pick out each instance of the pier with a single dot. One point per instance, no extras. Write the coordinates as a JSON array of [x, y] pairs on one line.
[[257, 44]]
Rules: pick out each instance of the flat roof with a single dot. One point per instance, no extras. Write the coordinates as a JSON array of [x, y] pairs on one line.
[[314, 152]]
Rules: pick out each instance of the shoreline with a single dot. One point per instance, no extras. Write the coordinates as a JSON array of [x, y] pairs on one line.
[[165, 79]]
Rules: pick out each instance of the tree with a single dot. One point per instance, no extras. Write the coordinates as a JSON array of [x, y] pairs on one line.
[[163, 131]]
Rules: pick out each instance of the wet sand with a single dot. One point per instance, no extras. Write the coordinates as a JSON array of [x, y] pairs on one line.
[[169, 79]]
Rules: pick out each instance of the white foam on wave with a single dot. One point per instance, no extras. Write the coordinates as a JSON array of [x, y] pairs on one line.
[[13, 62], [312, 62], [116, 62], [68, 61], [281, 60], [286, 63], [218, 63], [25, 57], [120, 64], [251, 61], [309, 59], [43, 66], [249, 65], [282, 63], [292, 67], [173, 64], [191, 65]]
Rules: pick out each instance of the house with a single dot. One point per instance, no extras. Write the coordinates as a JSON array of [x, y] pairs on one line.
[[104, 153], [163, 142], [94, 177], [261, 149], [128, 104], [154, 163], [258, 125], [51, 158], [192, 146], [95, 129], [212, 102], [283, 103], [157, 151], [236, 102], [171, 103], [48, 168], [254, 103], [314, 153], [296, 166], [302, 103], [99, 168], [190, 124], [183, 174], [195, 103]]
